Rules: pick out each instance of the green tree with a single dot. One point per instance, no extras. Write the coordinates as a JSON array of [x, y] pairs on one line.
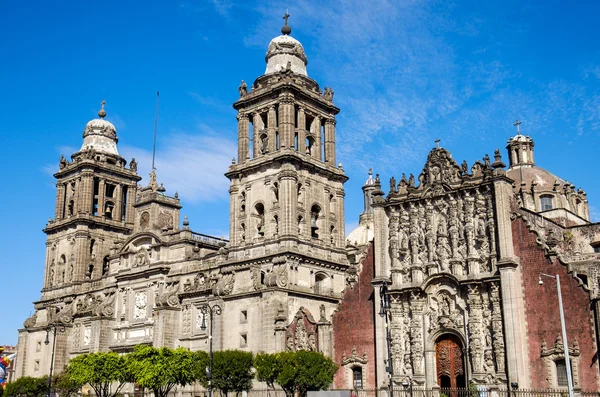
[[100, 371], [201, 361], [267, 368], [232, 371], [161, 369], [296, 372], [27, 387], [64, 385]]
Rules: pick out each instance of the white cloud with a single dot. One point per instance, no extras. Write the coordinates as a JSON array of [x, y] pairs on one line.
[[192, 165]]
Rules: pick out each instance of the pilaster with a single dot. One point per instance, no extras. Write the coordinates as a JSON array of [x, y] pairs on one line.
[[330, 141], [243, 139]]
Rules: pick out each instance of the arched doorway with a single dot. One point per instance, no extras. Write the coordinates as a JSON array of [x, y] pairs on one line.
[[450, 362]]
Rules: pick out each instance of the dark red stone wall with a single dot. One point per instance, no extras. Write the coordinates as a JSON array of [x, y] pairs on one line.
[[354, 324], [542, 311]]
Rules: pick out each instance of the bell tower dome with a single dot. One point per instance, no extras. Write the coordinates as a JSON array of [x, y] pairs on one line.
[[286, 188], [95, 193]]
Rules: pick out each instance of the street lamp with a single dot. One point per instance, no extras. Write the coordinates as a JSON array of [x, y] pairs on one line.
[[210, 310], [384, 312], [564, 330], [54, 328]]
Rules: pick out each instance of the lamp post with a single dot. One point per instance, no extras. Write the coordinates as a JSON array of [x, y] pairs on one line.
[[210, 310], [54, 328], [384, 312], [564, 330]]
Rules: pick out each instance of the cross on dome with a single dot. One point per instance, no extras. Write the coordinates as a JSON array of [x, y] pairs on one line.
[[518, 124], [286, 30], [102, 112]]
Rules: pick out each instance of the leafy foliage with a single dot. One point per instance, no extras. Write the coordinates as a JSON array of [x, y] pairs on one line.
[[161, 369], [232, 371], [296, 372], [64, 385], [201, 360], [266, 368], [99, 370], [27, 387]]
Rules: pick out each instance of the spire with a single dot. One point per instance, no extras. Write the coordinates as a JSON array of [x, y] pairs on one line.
[[286, 29]]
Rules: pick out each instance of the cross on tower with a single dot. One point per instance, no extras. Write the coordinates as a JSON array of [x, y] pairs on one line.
[[286, 16], [517, 124], [437, 143]]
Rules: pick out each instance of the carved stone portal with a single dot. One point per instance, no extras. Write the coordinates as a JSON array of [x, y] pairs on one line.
[[301, 333]]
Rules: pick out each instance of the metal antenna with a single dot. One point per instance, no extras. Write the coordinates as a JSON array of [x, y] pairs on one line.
[[155, 128]]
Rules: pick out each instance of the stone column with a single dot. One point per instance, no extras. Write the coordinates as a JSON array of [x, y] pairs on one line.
[[288, 199], [234, 212], [257, 130], [131, 197], [510, 286], [316, 130], [339, 218], [101, 197], [84, 189], [59, 212], [271, 126], [382, 257], [286, 121], [301, 131], [118, 197], [81, 256], [330, 141], [243, 139]]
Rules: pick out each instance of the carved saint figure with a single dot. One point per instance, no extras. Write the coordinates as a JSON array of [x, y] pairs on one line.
[[133, 165], [328, 95], [243, 89]]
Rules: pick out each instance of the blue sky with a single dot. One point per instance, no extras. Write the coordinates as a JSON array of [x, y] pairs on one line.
[[404, 74]]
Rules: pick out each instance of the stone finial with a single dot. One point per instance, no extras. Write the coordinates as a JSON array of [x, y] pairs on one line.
[[186, 223], [498, 160], [102, 112], [286, 29]]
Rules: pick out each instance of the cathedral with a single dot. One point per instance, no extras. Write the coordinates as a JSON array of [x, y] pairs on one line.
[[444, 283]]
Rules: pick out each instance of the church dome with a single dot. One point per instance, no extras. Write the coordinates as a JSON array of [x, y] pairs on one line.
[[544, 180], [362, 234], [285, 52], [100, 135]]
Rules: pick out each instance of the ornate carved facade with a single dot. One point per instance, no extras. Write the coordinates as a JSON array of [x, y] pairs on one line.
[[460, 248]]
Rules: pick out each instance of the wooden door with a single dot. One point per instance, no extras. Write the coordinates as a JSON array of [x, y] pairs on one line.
[[449, 361]]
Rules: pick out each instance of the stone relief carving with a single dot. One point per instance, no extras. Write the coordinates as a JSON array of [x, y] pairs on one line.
[[142, 258], [224, 285], [556, 352], [169, 296], [87, 336], [140, 305], [453, 233], [255, 276], [301, 333], [278, 276], [165, 220], [76, 341]]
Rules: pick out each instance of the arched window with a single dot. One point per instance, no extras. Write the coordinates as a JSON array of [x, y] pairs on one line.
[[314, 221], [357, 377], [310, 141], [321, 284], [105, 266], [108, 210], [546, 203], [260, 214], [561, 373]]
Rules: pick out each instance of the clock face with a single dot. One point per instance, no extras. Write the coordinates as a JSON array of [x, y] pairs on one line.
[[144, 220]]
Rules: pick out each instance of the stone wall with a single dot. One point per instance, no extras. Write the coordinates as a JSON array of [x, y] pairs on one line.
[[543, 318], [354, 328]]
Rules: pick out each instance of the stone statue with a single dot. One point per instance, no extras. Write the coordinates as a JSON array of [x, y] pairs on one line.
[[264, 142], [328, 95], [133, 165], [465, 167], [243, 89], [411, 181], [63, 162], [486, 161], [392, 185]]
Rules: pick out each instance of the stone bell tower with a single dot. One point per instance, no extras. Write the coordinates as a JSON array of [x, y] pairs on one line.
[[95, 193], [286, 188]]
